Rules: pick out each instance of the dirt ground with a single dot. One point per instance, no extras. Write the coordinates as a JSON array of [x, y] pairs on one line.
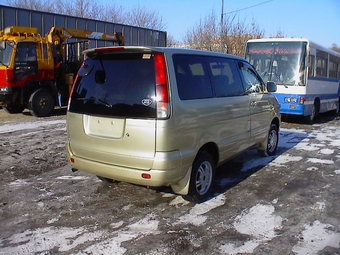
[[286, 204], [26, 154]]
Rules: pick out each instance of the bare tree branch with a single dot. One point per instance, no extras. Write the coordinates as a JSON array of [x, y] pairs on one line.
[[140, 17], [230, 37]]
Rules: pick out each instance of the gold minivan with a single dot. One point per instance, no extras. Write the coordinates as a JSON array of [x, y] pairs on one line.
[[167, 116]]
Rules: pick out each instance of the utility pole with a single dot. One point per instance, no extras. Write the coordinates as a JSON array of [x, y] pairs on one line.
[[221, 35]]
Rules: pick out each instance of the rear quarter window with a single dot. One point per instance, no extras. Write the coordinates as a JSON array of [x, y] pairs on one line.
[[192, 77]]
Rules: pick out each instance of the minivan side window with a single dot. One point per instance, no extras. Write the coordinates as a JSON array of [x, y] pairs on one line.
[[251, 81], [225, 77], [192, 77]]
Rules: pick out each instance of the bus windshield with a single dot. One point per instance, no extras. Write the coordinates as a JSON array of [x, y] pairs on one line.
[[280, 62], [5, 54]]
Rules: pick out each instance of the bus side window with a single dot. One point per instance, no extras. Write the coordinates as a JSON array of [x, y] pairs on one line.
[[333, 66], [311, 66]]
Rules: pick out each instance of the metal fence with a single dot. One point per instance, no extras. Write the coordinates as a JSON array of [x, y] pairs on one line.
[[137, 36]]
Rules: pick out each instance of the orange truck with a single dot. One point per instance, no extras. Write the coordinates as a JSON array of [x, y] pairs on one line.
[[37, 72]]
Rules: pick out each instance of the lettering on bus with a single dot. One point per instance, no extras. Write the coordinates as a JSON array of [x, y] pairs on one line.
[[277, 51]]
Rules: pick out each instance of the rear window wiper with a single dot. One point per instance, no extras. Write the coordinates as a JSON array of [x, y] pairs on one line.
[[94, 100], [104, 103]]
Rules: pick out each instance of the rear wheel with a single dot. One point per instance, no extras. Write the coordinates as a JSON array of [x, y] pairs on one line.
[[337, 109], [41, 103], [14, 108], [202, 177], [273, 141]]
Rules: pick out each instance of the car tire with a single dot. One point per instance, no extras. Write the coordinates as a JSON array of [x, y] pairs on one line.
[[272, 142], [202, 178]]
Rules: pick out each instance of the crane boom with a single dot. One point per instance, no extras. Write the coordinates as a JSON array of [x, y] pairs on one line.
[[57, 36], [65, 33]]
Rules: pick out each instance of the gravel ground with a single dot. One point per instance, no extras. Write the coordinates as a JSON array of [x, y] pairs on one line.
[[286, 204]]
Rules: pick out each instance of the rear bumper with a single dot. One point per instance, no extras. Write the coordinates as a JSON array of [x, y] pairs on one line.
[[158, 177]]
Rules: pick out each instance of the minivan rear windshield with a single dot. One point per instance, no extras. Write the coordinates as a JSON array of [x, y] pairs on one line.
[[116, 85]]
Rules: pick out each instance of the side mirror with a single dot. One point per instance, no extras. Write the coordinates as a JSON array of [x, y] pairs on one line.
[[271, 86]]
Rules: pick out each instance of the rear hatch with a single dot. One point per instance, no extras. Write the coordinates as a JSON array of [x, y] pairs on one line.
[[112, 110]]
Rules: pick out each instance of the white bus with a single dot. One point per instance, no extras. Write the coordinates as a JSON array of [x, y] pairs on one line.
[[307, 75]]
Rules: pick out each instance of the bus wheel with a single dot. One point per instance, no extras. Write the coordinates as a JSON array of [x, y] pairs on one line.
[[337, 109], [14, 108], [314, 113], [202, 177], [41, 103]]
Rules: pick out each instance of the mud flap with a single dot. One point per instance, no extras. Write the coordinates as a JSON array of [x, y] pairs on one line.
[[182, 187]]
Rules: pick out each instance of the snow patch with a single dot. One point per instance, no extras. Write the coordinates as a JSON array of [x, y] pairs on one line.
[[283, 159], [68, 177], [44, 239], [290, 137], [146, 225], [231, 249], [127, 207], [64, 239], [29, 125], [327, 151], [316, 238], [257, 222], [318, 206], [19, 182], [178, 201], [52, 220], [307, 146], [312, 168], [112, 245], [115, 225], [195, 215], [320, 161]]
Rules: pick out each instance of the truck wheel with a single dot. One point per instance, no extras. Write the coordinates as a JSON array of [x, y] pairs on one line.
[[273, 140], [202, 177], [14, 108], [41, 103]]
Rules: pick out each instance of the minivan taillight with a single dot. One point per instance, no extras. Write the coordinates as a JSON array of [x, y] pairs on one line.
[[162, 88]]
